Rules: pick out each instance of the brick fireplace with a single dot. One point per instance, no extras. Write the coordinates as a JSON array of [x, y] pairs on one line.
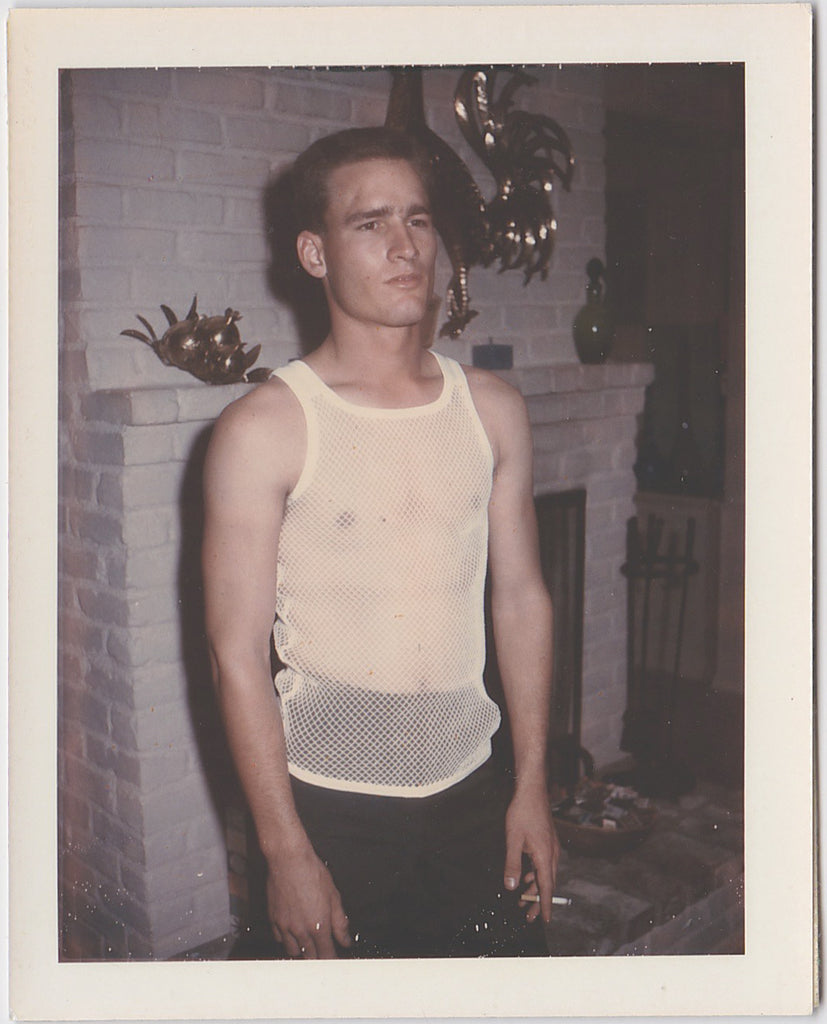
[[146, 778], [162, 177]]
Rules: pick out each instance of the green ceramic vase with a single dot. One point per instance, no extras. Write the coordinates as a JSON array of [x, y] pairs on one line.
[[594, 325]]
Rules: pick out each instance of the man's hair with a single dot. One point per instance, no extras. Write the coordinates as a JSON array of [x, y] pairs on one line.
[[314, 166]]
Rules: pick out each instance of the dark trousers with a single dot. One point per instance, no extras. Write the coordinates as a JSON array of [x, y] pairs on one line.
[[422, 876]]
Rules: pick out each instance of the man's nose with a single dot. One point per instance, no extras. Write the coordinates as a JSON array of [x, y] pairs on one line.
[[402, 243]]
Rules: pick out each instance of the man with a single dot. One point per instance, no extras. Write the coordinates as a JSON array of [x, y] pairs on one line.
[[357, 497]]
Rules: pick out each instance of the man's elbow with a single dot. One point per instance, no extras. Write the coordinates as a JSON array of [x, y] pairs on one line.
[[236, 663]]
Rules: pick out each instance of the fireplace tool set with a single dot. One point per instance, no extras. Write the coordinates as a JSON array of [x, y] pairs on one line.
[[649, 720], [607, 816]]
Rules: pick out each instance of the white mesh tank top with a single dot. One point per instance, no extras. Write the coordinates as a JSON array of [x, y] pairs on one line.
[[379, 610]]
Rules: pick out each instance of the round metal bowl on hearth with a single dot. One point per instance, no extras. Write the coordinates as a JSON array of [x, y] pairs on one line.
[[596, 841]]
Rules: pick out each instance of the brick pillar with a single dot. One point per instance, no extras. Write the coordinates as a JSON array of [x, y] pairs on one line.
[[144, 774], [584, 421]]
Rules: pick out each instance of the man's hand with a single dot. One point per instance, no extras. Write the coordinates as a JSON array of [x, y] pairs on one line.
[[305, 908], [529, 830]]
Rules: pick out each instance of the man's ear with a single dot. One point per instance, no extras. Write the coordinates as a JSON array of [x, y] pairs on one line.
[[311, 253]]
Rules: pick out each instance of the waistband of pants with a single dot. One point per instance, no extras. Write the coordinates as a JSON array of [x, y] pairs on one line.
[[487, 777]]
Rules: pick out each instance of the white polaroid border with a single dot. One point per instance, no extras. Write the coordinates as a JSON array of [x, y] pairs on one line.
[[777, 973]]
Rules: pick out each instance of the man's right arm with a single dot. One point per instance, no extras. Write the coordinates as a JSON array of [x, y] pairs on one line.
[[254, 458]]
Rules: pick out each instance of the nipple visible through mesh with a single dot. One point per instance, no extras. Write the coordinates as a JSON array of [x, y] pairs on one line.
[[381, 571]]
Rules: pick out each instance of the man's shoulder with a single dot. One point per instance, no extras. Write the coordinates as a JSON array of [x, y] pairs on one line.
[[502, 411], [256, 450], [261, 437], [269, 406], [491, 393]]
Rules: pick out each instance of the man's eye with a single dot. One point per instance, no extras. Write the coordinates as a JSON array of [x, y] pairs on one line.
[[420, 222], [370, 225]]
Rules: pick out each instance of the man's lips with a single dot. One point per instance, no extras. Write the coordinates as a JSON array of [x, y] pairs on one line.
[[409, 280]]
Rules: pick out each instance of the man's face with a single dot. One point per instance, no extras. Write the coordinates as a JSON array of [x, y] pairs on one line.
[[379, 245]]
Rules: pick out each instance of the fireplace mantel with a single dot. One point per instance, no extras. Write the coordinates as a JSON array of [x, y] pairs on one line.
[[195, 402], [563, 378]]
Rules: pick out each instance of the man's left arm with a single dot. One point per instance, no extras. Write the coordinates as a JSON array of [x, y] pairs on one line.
[[522, 616]]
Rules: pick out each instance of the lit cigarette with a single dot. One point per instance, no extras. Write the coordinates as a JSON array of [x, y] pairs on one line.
[[556, 901]]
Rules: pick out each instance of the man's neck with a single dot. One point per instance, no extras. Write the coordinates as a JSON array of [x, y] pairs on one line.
[[381, 366]]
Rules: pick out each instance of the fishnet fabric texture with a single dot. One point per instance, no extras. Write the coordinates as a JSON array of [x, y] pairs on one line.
[[381, 573]]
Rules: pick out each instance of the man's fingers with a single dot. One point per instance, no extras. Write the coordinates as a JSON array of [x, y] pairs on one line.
[[323, 939], [341, 926], [528, 898], [325, 945], [545, 883], [555, 860], [513, 865], [530, 895], [309, 947]]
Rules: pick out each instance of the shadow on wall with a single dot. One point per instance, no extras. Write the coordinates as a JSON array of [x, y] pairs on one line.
[[304, 297], [208, 729], [289, 284]]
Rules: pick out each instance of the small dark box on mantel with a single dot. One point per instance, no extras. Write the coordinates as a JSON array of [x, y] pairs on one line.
[[493, 357]]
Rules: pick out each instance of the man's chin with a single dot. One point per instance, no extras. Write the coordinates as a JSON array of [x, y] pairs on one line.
[[408, 317]]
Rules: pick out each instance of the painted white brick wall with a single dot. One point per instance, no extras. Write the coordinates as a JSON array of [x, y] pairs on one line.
[[163, 176], [145, 866], [171, 167]]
